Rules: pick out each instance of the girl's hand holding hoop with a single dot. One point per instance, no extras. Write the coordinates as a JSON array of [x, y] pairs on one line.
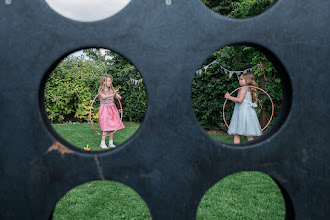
[[227, 96], [90, 115]]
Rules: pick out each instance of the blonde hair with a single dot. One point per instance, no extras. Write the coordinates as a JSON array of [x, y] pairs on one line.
[[102, 86], [250, 81]]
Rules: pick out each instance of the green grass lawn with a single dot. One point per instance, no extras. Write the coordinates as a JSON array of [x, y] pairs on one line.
[[101, 200], [245, 195], [82, 134], [225, 138]]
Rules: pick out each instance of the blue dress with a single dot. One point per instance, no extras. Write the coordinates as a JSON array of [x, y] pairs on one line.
[[244, 120]]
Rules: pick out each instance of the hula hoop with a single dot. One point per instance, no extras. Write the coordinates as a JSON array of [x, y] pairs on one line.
[[90, 116], [224, 105]]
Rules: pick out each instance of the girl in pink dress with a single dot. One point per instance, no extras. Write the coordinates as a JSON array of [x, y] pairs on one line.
[[108, 113]]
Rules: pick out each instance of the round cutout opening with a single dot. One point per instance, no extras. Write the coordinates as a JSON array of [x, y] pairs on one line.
[[85, 109], [239, 9], [254, 108], [244, 195], [101, 200], [86, 10]]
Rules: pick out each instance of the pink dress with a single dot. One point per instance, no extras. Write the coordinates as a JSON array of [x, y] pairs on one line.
[[108, 115]]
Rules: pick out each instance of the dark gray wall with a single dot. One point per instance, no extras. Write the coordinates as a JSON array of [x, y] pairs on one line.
[[171, 162]]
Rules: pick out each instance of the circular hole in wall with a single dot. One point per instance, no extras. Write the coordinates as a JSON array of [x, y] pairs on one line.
[[74, 105], [263, 105], [87, 10], [101, 200], [239, 9], [244, 195]]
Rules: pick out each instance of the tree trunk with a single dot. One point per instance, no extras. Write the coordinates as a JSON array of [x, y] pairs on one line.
[[262, 117]]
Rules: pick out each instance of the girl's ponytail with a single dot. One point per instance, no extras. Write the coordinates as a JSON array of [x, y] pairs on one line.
[[250, 81], [254, 93]]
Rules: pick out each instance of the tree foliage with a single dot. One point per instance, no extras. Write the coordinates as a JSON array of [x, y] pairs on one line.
[[209, 88], [224, 7], [238, 8], [70, 89], [74, 82], [121, 71], [249, 8], [208, 107]]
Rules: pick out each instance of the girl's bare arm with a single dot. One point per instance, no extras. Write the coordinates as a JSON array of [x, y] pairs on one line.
[[240, 97], [118, 96]]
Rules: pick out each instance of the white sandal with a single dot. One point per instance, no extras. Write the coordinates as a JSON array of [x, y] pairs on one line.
[[103, 146], [112, 146]]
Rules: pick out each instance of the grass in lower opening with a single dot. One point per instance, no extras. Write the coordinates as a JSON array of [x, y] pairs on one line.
[[101, 200], [245, 195]]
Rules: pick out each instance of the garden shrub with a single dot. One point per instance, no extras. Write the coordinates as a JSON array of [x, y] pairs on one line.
[[209, 88], [71, 87], [73, 84]]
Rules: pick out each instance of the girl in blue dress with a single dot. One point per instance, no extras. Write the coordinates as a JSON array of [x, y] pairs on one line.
[[244, 120]]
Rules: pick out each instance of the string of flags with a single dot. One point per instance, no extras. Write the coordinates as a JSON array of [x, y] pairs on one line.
[[231, 72], [200, 71], [136, 81]]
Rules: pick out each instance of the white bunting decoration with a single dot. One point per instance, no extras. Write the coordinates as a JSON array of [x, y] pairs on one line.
[[200, 71], [136, 81], [238, 73]]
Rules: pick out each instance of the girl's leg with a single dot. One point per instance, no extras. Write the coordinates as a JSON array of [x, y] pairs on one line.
[[104, 135], [237, 139], [111, 140], [249, 138], [102, 145]]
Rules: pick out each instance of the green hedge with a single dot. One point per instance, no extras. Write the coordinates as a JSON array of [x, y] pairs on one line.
[[208, 97], [73, 84], [70, 89]]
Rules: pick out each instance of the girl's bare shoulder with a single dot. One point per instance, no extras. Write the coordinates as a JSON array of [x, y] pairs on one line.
[[243, 89]]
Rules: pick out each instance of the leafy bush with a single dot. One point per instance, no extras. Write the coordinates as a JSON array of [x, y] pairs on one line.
[[134, 99], [70, 89], [208, 89], [208, 96], [73, 84]]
